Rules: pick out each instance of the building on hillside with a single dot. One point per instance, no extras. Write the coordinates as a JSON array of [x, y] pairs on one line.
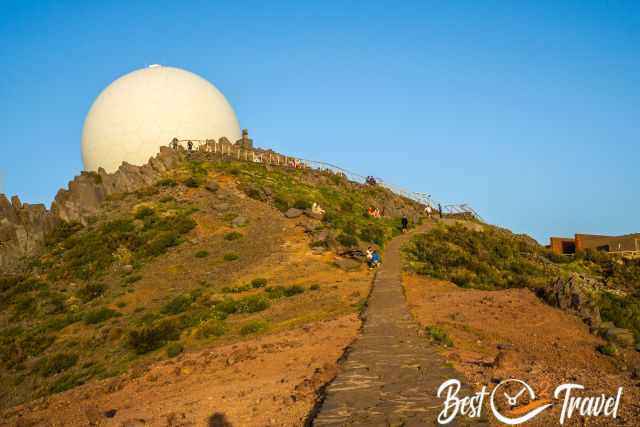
[[245, 142], [568, 245]]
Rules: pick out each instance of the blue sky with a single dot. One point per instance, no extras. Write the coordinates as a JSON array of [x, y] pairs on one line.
[[529, 110]]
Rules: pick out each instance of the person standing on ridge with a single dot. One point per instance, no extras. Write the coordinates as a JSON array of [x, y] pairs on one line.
[[440, 210], [405, 223]]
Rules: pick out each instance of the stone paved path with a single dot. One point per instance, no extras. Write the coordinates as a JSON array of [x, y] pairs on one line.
[[390, 375]]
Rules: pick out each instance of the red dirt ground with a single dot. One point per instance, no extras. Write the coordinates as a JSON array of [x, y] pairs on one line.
[[539, 344]]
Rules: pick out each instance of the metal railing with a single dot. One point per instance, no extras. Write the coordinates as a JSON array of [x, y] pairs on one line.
[[237, 152]]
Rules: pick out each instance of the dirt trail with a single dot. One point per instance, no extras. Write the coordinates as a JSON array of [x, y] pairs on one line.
[[391, 374]]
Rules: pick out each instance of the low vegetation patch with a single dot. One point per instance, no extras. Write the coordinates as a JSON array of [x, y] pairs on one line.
[[253, 327], [150, 338], [259, 283], [87, 253], [55, 364], [174, 349], [202, 254], [233, 235], [439, 336], [231, 256], [275, 292], [100, 315]]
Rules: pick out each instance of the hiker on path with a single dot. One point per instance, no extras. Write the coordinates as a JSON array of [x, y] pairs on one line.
[[375, 259], [369, 254], [440, 210], [428, 211], [405, 223], [189, 146]]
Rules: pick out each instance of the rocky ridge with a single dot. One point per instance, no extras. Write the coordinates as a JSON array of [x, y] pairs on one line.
[[23, 226]]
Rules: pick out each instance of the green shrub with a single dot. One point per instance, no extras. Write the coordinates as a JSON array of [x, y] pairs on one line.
[[62, 231], [174, 349], [178, 305], [373, 233], [235, 289], [227, 305], [202, 254], [259, 283], [211, 328], [161, 242], [274, 292], [91, 291], [167, 182], [252, 304], [191, 182], [488, 259], [230, 256], [100, 315], [607, 349], [314, 287], [25, 304], [55, 364], [292, 290], [16, 348], [253, 327], [233, 235], [347, 240], [439, 336], [302, 204], [151, 338], [144, 212], [281, 203]]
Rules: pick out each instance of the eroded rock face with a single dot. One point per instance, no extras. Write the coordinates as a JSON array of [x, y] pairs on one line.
[[577, 294], [23, 226]]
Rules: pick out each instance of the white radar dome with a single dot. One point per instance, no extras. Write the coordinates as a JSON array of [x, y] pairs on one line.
[[147, 108]]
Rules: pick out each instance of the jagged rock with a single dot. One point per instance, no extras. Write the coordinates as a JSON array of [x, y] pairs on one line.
[[318, 250], [577, 294], [314, 215], [293, 213], [623, 337], [348, 264], [239, 221], [23, 226], [212, 186]]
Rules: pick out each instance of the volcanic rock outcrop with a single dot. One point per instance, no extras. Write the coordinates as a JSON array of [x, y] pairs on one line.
[[23, 226]]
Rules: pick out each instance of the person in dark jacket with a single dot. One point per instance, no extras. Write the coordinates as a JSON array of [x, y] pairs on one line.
[[405, 223]]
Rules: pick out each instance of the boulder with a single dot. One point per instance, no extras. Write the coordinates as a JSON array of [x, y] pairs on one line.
[[212, 186], [293, 213], [577, 294], [348, 264], [314, 215], [239, 221], [621, 336], [318, 250]]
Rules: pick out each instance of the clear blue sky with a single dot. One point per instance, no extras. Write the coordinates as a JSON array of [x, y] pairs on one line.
[[529, 111]]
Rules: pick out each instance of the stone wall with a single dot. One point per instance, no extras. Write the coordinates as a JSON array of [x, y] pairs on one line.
[[23, 227]]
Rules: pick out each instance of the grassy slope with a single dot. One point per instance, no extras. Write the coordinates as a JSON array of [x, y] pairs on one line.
[[485, 257], [163, 269]]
